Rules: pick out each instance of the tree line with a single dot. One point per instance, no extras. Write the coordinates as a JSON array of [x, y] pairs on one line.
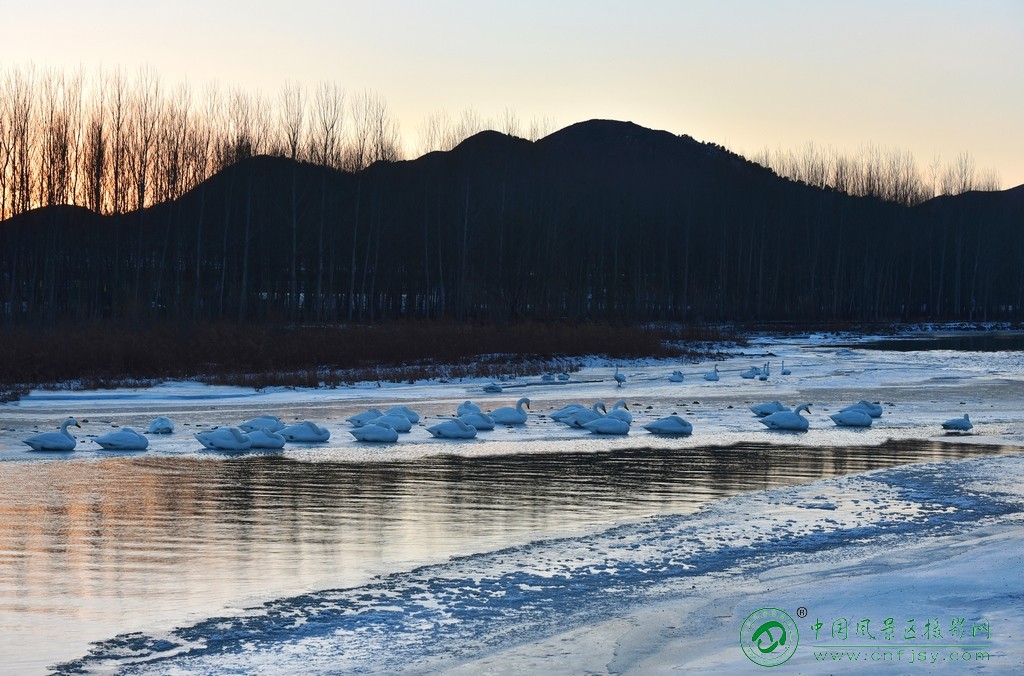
[[114, 142], [601, 221], [889, 174]]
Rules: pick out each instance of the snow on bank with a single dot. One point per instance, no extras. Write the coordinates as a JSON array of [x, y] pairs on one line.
[[914, 543], [918, 391]]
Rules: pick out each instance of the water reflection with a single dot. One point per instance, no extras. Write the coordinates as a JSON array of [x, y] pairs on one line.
[[90, 549], [969, 342]]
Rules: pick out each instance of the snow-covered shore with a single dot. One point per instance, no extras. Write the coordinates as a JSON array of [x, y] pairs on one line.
[[973, 574], [916, 543], [933, 546]]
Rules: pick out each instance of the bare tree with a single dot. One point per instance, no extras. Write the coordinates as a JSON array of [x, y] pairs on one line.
[[436, 132], [293, 118], [328, 125], [510, 123]]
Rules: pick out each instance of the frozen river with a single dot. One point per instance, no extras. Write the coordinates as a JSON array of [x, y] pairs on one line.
[[96, 544]]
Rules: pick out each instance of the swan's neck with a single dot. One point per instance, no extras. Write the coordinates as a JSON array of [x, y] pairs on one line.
[[64, 428]]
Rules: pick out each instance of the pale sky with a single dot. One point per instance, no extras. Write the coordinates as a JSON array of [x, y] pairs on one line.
[[930, 76]]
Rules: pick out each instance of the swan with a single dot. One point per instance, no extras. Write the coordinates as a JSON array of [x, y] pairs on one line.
[[55, 441], [784, 371], [608, 425], [958, 424], [265, 438], [673, 424], [404, 411], [761, 410], [453, 429], [548, 378], [788, 420], [224, 439], [621, 411], [467, 407], [763, 375], [492, 387], [398, 423], [375, 431], [481, 421], [506, 415], [712, 375], [676, 377], [751, 373], [852, 417], [124, 439], [873, 410], [563, 376], [267, 422], [561, 414], [585, 415], [619, 378], [161, 425], [305, 431], [360, 419]]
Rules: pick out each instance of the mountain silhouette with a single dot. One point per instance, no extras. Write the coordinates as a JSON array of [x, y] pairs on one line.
[[602, 220]]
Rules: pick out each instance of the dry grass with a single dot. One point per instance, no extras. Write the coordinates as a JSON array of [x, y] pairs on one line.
[[100, 355]]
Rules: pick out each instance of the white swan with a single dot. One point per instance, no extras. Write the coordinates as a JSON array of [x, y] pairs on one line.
[[563, 376], [584, 415], [751, 373], [305, 431], [608, 425], [467, 407], [784, 371], [788, 420], [873, 410], [561, 414], [492, 387], [765, 372], [224, 439], [619, 378], [360, 419], [453, 429], [404, 411], [672, 424], [621, 411], [375, 431], [506, 415], [676, 377], [712, 375], [548, 378], [124, 439], [761, 410], [853, 417], [55, 441], [263, 422], [265, 438], [161, 425], [958, 424], [481, 421], [398, 423]]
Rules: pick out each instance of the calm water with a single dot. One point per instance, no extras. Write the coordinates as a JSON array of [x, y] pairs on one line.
[[91, 549], [972, 342]]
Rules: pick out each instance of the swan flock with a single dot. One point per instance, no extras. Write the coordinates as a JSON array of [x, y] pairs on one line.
[[374, 426]]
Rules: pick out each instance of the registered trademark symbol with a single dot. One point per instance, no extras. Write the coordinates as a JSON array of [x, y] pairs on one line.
[[801, 612]]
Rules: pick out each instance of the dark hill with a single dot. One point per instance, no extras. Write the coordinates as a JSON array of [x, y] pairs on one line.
[[604, 220]]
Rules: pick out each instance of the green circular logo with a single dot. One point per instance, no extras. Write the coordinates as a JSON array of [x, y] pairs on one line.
[[769, 637]]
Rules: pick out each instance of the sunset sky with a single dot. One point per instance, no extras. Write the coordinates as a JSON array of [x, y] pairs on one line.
[[932, 77]]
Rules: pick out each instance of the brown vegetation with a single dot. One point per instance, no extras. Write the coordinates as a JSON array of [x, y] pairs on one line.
[[99, 355]]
